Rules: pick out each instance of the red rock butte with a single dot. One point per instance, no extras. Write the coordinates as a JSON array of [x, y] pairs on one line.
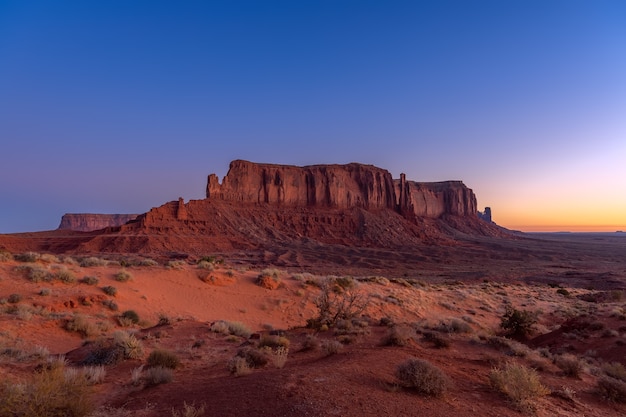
[[268, 207]]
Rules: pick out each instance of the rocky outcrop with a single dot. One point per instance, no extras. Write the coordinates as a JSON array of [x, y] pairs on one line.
[[485, 215], [341, 186], [434, 199], [87, 222], [337, 186]]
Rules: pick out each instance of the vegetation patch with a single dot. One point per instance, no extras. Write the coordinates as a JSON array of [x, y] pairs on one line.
[[423, 377], [519, 384]]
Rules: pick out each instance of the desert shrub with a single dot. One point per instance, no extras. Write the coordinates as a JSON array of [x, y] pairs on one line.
[[333, 306], [311, 342], [27, 257], [189, 410], [131, 315], [569, 364], [65, 276], [454, 326], [220, 326], [239, 366], [239, 329], [163, 358], [132, 347], [206, 265], [44, 292], [158, 375], [345, 283], [274, 341], [81, 325], [399, 335], [518, 322], [615, 370], [278, 357], [331, 347], [103, 353], [563, 292], [90, 280], [111, 305], [94, 375], [423, 377], [255, 357], [49, 258], [519, 384], [5, 256], [109, 290], [49, 393], [92, 261], [438, 340], [177, 264], [122, 276], [34, 273], [148, 262], [611, 389], [14, 298], [135, 375], [164, 320]]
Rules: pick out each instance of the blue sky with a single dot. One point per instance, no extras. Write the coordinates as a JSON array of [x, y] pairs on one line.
[[119, 106]]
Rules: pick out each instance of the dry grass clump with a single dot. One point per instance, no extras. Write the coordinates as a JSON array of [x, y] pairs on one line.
[[231, 328], [34, 273], [5, 256], [422, 376], [519, 384], [82, 326], [274, 342], [122, 276], [89, 280], [239, 366], [27, 257], [93, 261], [132, 347], [399, 335], [158, 375], [49, 393], [65, 275], [163, 358], [454, 326], [189, 410], [311, 342], [255, 358], [438, 340], [331, 347], [279, 356]]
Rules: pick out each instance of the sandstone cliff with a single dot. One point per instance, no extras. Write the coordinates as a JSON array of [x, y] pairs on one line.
[[87, 222], [341, 186]]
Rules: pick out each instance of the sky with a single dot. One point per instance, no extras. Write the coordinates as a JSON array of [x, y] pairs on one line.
[[121, 106]]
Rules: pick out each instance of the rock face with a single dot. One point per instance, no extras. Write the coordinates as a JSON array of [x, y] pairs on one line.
[[87, 222], [338, 186], [341, 186]]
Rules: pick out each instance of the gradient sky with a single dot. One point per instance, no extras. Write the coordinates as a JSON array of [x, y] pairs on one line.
[[120, 106]]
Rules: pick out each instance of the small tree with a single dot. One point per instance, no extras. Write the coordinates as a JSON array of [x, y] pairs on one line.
[[334, 305], [518, 322]]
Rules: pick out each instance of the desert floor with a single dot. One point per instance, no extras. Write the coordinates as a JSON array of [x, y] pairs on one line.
[[214, 315]]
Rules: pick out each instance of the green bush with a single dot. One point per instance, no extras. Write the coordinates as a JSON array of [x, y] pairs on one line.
[[131, 315], [163, 358], [518, 322], [423, 377]]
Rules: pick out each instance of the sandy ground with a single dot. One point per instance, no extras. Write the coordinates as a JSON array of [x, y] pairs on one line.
[[359, 380]]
